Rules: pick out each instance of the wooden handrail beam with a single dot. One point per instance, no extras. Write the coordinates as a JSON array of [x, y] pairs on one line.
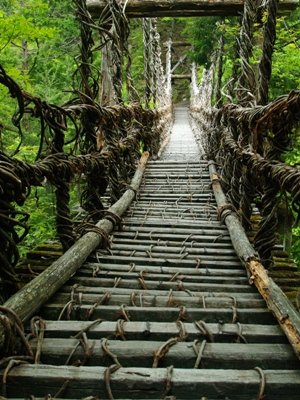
[[32, 296], [184, 8], [277, 302]]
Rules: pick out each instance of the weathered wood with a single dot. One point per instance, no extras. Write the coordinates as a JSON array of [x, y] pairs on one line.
[[277, 302], [183, 174], [136, 382], [172, 240], [167, 314], [126, 234], [96, 269], [25, 302], [161, 292], [192, 262], [160, 249], [180, 354], [197, 228], [171, 8], [159, 301], [201, 276], [138, 330], [151, 284], [137, 280], [179, 62], [181, 76], [93, 268], [187, 255]]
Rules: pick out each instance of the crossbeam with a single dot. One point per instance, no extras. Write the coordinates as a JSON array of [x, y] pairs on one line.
[[184, 8]]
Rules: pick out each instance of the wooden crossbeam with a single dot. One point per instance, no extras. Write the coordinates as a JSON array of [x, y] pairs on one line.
[[179, 62], [181, 76], [184, 8]]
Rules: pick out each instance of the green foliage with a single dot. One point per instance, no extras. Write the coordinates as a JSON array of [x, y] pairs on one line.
[[292, 157], [39, 40], [295, 248], [42, 218], [136, 49], [286, 58], [203, 34], [38, 43]]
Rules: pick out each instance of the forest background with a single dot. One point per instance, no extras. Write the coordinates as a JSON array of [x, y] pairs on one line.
[[39, 45]]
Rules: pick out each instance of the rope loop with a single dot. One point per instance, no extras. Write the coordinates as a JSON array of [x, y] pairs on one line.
[[13, 329]]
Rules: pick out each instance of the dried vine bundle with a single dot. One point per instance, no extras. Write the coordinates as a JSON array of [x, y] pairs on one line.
[[248, 143]]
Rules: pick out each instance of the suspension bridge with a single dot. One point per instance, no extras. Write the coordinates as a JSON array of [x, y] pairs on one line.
[[165, 289]]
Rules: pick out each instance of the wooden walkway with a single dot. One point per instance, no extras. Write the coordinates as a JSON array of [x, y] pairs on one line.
[[167, 312]]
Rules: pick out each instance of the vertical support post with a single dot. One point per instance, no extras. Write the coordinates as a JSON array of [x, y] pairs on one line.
[[107, 93], [168, 78], [148, 68], [218, 95], [265, 65], [247, 83]]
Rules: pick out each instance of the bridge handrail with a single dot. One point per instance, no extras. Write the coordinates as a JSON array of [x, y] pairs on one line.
[[123, 131]]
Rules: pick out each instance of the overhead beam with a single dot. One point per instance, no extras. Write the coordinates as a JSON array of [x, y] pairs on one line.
[[184, 8]]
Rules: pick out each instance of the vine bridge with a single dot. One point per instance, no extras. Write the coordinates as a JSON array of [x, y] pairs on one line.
[[169, 283]]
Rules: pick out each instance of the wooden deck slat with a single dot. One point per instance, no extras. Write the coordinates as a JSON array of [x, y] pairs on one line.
[[180, 355], [109, 278], [161, 248], [160, 301], [160, 292], [167, 314], [150, 284], [137, 330], [193, 261], [164, 270], [136, 382], [127, 234]]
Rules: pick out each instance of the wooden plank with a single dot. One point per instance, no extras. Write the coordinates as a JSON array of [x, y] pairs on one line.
[[161, 314], [161, 249], [137, 330], [171, 8], [179, 285], [173, 240], [171, 261], [181, 163], [201, 276], [181, 76], [187, 255], [134, 353], [207, 231], [221, 301], [160, 292], [175, 175], [28, 300], [94, 267], [155, 280], [41, 380], [130, 234]]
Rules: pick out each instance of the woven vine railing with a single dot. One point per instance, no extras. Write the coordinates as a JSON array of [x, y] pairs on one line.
[[106, 144], [248, 139]]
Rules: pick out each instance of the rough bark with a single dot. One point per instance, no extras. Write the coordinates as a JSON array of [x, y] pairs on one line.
[[161, 8]]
